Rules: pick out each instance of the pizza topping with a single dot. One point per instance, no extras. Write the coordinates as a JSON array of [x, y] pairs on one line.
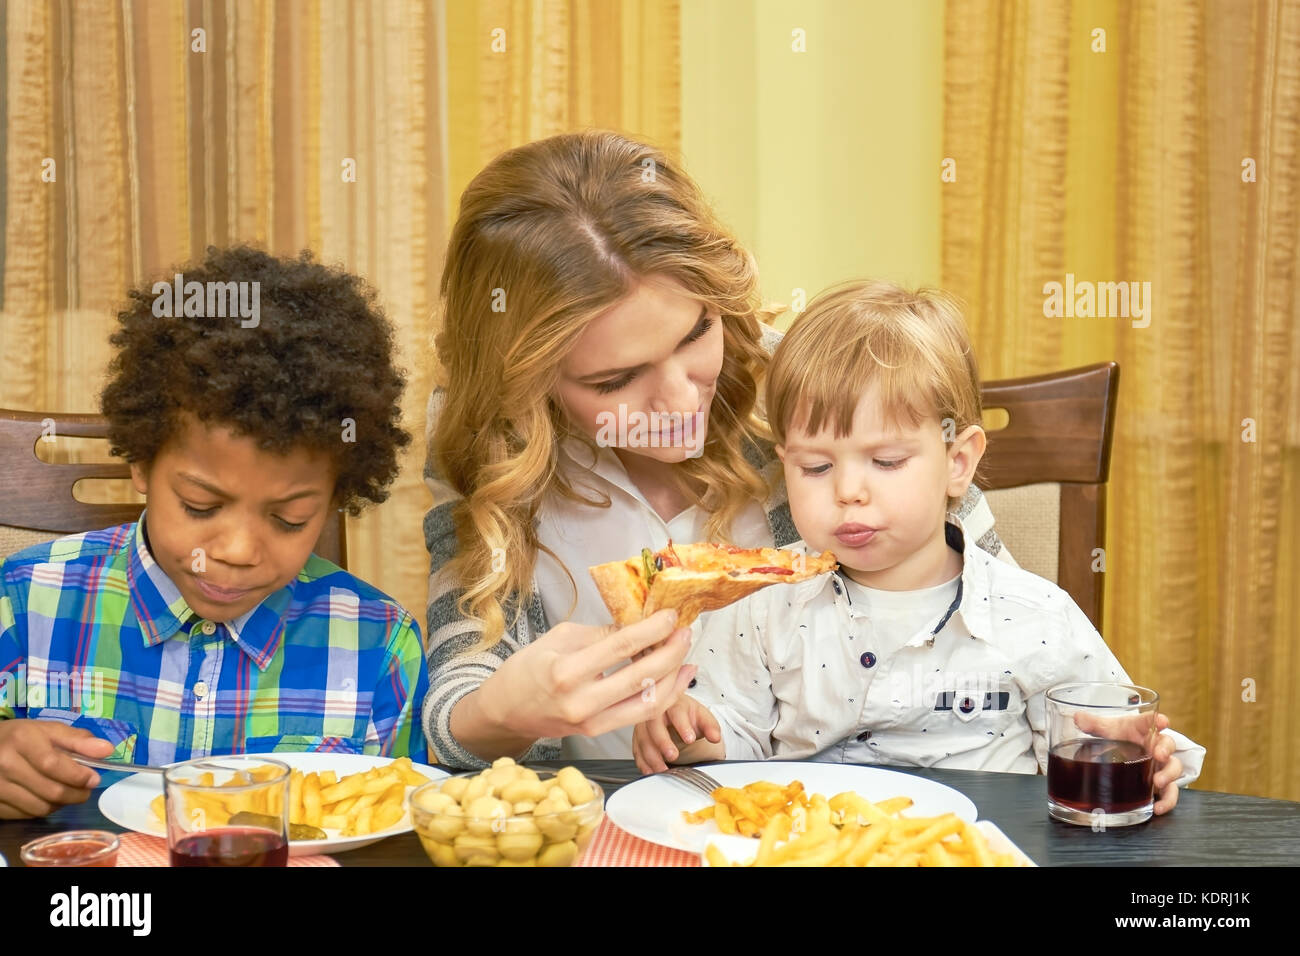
[[650, 564], [735, 574]]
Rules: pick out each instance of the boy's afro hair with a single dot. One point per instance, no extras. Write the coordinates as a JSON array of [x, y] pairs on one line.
[[319, 355]]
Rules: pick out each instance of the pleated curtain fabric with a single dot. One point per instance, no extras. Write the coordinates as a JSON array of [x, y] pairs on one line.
[[519, 71], [344, 126], [1107, 142], [174, 126]]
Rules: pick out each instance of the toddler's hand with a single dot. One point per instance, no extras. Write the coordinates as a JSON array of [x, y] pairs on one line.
[[656, 742], [1168, 768]]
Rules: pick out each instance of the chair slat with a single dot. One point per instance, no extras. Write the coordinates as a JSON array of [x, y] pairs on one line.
[[37, 495], [1060, 429]]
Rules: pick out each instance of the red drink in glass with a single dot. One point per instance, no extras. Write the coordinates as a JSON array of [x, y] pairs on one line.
[[1100, 736], [1113, 776], [231, 846], [228, 811]]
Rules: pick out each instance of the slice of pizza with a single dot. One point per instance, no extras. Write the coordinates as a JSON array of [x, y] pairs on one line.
[[693, 578]]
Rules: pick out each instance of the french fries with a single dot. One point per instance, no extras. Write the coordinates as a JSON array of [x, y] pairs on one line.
[[747, 810], [356, 805], [795, 829]]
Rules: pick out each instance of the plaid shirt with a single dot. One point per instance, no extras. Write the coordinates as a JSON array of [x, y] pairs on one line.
[[93, 633]]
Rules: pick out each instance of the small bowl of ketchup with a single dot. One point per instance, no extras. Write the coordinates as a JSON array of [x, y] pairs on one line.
[[73, 848]]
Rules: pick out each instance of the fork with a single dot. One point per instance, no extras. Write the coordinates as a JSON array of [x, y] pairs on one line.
[[94, 764], [693, 778]]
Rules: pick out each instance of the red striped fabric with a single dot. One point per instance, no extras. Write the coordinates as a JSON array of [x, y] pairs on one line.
[[139, 849], [612, 846]]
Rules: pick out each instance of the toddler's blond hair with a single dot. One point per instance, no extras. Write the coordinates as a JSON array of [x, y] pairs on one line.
[[912, 345]]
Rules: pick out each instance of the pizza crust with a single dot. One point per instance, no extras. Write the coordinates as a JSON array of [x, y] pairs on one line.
[[622, 589], [691, 592]]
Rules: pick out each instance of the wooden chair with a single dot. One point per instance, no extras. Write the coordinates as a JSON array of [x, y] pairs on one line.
[[1045, 474], [36, 497]]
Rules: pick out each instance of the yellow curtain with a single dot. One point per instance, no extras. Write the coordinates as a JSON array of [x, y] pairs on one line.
[[520, 70], [1156, 142], [164, 141], [174, 126]]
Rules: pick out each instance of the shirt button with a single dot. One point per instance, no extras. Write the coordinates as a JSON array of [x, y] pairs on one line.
[[200, 690], [864, 736], [692, 683], [208, 628], [836, 585], [868, 659]]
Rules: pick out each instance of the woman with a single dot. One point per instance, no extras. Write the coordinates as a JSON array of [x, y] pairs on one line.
[[587, 284]]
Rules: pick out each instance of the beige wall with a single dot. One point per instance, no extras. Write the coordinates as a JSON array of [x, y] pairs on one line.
[[842, 143]]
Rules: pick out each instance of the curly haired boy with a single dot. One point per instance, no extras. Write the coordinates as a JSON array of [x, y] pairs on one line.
[[208, 626]]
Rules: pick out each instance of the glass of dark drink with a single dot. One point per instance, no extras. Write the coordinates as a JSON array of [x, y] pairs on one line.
[[228, 811], [1099, 765]]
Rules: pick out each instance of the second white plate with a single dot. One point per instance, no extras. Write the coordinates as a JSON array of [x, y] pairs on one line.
[[651, 808], [126, 802]]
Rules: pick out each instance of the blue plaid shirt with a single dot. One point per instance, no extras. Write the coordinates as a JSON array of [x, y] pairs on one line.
[[93, 633]]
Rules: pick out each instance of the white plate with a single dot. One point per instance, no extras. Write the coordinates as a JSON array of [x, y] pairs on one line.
[[651, 808], [126, 802], [742, 849]]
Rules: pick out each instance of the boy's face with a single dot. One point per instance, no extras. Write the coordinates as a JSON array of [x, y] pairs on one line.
[[877, 497], [253, 515]]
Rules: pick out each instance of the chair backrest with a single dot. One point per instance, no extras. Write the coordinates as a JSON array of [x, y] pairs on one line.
[[36, 497], [1045, 474]]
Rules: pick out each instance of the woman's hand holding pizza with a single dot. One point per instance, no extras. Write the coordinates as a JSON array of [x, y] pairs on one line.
[[556, 686], [687, 732]]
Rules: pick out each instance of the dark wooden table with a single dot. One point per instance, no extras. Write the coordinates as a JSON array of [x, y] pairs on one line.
[[1205, 829]]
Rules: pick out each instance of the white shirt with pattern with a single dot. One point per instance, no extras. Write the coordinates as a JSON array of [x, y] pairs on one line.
[[804, 670]]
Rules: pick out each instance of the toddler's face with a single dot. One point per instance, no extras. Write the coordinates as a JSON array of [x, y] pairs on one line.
[[877, 497], [254, 515], [649, 368]]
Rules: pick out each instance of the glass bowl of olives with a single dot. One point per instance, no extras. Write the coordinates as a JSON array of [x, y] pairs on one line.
[[507, 815]]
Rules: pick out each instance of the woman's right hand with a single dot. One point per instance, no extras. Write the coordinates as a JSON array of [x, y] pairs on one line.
[[556, 686]]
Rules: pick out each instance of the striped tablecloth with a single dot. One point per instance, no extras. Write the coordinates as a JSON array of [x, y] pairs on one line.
[[613, 846], [140, 849]]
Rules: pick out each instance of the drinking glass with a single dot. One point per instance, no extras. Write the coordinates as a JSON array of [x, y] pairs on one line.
[[228, 811], [1100, 768]]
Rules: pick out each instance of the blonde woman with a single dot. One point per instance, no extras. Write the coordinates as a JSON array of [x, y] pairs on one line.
[[601, 357]]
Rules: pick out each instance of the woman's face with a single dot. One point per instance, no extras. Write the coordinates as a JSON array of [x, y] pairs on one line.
[[643, 373]]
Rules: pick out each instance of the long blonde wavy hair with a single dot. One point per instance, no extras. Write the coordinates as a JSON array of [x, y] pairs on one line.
[[550, 235]]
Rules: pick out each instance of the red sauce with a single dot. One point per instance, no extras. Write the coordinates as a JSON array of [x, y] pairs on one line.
[[62, 854], [770, 571]]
